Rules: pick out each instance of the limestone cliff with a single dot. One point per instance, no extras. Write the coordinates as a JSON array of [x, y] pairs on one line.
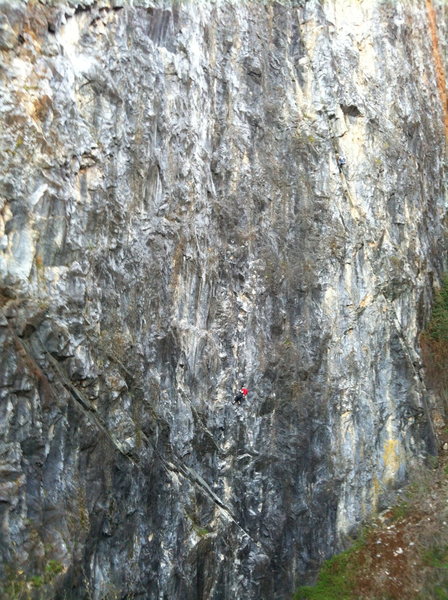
[[173, 225]]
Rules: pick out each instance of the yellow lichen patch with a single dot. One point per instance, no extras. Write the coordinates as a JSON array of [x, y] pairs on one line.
[[392, 459], [366, 301], [41, 106], [376, 490]]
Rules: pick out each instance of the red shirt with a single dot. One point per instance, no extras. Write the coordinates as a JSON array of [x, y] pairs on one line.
[[245, 391]]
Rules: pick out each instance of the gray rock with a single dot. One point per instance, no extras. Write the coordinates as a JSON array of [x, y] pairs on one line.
[[173, 225]]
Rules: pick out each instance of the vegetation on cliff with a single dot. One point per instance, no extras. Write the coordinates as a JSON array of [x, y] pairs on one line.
[[404, 553]]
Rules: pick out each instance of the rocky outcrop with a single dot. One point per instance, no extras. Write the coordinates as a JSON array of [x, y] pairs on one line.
[[174, 224]]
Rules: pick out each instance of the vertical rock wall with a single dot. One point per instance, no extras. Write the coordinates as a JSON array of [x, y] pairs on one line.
[[173, 224]]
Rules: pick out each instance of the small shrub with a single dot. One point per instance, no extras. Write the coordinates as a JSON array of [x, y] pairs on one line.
[[437, 557], [53, 568], [441, 593], [17, 585], [434, 344], [201, 531], [334, 581], [438, 326], [37, 581], [400, 511]]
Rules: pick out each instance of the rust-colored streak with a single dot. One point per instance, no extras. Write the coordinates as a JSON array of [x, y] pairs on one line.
[[437, 56]]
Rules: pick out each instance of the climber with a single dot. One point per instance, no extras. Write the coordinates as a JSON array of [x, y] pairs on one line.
[[241, 395], [341, 162]]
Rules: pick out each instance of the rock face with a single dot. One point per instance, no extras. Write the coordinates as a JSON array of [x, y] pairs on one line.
[[173, 225]]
